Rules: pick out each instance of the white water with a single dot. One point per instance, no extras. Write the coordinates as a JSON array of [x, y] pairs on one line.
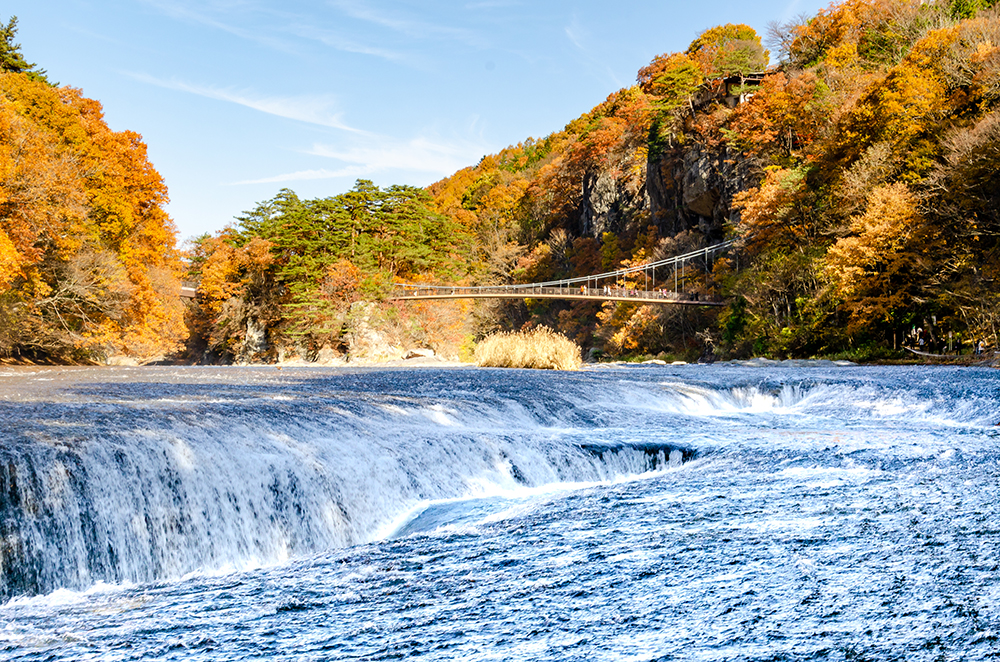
[[141, 487], [358, 497]]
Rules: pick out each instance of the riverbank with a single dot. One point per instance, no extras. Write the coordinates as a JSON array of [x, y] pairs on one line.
[[424, 360]]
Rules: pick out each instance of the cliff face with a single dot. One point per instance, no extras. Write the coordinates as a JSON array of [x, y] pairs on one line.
[[601, 194], [686, 188], [692, 188], [611, 204]]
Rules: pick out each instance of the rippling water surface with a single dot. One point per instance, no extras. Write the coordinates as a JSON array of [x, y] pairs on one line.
[[618, 513]]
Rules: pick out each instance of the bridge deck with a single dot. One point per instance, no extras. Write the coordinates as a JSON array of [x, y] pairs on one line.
[[590, 294]]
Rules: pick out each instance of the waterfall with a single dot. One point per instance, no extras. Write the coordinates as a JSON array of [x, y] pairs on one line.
[[158, 481]]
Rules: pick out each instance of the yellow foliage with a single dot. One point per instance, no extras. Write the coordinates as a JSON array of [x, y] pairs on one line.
[[865, 267], [10, 261], [541, 348], [70, 188], [220, 273], [769, 212], [842, 55], [505, 197], [341, 281], [844, 24], [635, 326]]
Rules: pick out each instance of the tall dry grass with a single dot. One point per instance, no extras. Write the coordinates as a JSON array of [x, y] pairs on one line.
[[540, 348]]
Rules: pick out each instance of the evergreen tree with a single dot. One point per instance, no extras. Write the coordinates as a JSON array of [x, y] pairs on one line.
[[11, 59]]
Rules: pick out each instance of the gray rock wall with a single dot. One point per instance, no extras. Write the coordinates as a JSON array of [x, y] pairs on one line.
[[686, 188], [692, 188]]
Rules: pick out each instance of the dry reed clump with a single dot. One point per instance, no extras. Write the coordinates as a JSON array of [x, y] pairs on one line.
[[540, 348]]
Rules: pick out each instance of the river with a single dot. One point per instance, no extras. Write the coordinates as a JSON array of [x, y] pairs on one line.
[[788, 511]]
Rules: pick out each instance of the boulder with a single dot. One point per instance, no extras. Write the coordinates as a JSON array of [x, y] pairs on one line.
[[364, 342]]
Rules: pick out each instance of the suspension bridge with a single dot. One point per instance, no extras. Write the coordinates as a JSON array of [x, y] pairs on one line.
[[619, 285]]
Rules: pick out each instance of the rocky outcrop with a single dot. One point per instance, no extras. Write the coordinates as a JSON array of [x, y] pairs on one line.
[[686, 188], [692, 188], [254, 346], [365, 342], [610, 203]]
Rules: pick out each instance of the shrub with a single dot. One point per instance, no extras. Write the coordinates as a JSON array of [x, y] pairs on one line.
[[540, 348]]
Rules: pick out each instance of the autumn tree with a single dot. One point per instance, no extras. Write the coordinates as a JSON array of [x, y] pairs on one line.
[[788, 112], [41, 193], [874, 270], [237, 293], [875, 133], [728, 50], [776, 213], [672, 80], [79, 202], [286, 274], [869, 33]]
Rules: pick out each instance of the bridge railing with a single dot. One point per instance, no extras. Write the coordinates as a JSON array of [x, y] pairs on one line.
[[427, 291], [593, 282], [648, 266]]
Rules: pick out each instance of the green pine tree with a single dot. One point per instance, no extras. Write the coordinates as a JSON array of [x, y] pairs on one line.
[[11, 59]]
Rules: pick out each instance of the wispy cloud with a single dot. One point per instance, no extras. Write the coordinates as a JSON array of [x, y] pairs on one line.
[[312, 109], [339, 42], [418, 155], [579, 36], [577, 33], [422, 155], [203, 15], [408, 26]]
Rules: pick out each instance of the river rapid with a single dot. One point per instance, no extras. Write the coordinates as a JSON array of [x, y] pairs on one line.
[[723, 512]]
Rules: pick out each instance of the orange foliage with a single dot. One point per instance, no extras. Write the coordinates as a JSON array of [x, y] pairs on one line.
[[447, 196], [846, 30], [771, 214], [227, 269], [40, 191], [505, 197], [785, 113], [10, 261], [69, 184], [909, 101], [341, 281]]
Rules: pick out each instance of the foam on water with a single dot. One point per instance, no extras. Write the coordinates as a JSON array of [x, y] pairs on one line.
[[133, 491], [137, 481], [843, 401]]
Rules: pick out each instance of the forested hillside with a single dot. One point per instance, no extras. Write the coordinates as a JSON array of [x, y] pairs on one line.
[[852, 155], [294, 277], [859, 174], [88, 264]]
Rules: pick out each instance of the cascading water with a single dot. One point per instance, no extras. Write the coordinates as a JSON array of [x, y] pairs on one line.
[[152, 480], [692, 512]]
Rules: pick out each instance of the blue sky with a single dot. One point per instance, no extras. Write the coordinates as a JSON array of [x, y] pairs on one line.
[[237, 99]]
